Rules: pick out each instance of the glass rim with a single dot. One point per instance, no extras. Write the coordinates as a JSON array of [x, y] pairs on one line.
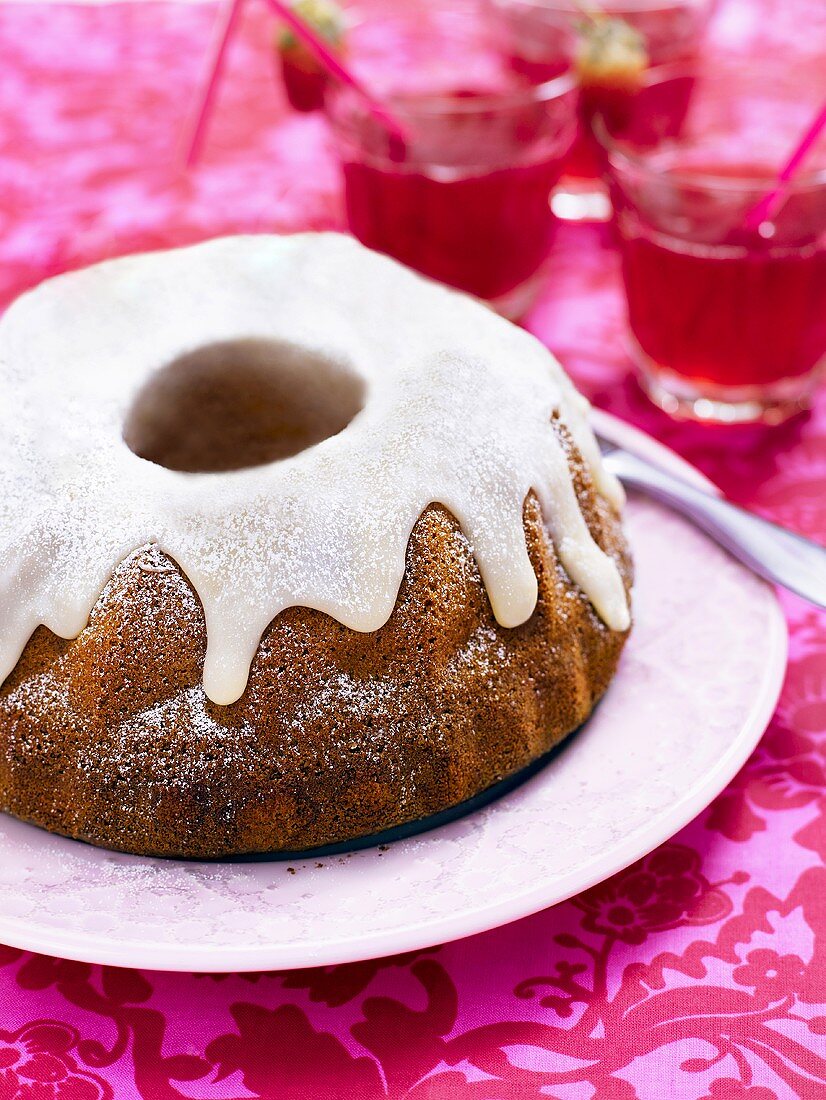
[[804, 180], [441, 103]]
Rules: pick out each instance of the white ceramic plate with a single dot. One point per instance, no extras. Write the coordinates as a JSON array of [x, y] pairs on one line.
[[697, 684]]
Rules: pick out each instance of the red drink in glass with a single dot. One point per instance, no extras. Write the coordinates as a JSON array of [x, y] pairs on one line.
[[728, 320], [466, 200], [468, 203], [546, 37], [740, 311]]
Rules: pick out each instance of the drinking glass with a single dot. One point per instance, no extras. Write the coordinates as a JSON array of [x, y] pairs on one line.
[[545, 37], [726, 311], [465, 198]]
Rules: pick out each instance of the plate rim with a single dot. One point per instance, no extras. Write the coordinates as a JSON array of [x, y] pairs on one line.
[[280, 956]]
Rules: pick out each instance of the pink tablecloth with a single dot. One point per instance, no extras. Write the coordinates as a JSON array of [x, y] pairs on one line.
[[699, 972]]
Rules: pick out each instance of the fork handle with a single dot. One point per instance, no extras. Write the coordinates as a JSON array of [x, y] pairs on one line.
[[774, 553]]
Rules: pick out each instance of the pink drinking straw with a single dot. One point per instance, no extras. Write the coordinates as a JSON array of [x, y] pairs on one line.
[[314, 42], [770, 202], [220, 45]]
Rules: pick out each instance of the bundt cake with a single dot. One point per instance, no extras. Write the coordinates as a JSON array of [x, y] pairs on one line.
[[295, 546]]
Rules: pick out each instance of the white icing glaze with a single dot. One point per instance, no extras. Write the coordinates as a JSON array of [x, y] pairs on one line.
[[457, 411]]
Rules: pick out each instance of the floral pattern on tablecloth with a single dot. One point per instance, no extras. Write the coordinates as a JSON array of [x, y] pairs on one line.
[[699, 972]]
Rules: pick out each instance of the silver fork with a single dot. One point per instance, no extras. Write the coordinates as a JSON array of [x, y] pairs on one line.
[[769, 550]]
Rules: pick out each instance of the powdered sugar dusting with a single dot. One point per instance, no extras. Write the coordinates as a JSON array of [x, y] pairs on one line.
[[457, 411]]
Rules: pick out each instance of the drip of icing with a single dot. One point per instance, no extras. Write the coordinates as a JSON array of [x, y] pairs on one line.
[[457, 410]]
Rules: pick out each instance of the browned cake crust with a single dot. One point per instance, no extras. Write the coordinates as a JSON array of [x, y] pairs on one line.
[[110, 738]]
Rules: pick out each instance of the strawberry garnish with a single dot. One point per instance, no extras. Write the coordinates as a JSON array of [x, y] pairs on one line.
[[305, 80]]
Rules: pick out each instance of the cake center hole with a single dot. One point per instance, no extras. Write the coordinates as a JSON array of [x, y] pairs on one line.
[[238, 404]]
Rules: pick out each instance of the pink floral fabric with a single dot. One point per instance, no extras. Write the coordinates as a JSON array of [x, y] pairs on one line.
[[697, 973]]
